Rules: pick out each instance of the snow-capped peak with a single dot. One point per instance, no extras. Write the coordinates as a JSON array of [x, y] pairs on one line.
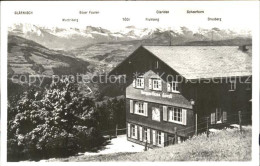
[[26, 29]]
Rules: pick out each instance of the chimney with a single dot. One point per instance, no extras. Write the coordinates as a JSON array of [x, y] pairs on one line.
[[243, 48]]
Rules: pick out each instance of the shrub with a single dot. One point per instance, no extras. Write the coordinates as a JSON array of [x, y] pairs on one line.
[[55, 122]]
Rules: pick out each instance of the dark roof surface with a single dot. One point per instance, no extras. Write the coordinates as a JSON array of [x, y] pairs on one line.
[[195, 62]]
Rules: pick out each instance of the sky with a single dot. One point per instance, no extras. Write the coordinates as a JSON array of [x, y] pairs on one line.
[[235, 15]]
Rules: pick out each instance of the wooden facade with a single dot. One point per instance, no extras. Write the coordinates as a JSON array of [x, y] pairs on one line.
[[160, 100]]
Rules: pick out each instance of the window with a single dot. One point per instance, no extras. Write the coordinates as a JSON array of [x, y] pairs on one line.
[[174, 86], [140, 107], [139, 82], [134, 134], [156, 84], [175, 115], [232, 85], [159, 137], [156, 114]]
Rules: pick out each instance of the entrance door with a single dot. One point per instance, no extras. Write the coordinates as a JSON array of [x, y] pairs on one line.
[[171, 140], [219, 118]]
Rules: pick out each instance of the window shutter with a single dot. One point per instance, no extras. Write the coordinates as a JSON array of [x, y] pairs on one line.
[[213, 118], [128, 130], [136, 107], [136, 132], [168, 87], [224, 117], [154, 137], [134, 83], [165, 113], [148, 136], [162, 139], [170, 115], [160, 84], [150, 84], [142, 83], [145, 109], [184, 116], [140, 133], [177, 86], [131, 106]]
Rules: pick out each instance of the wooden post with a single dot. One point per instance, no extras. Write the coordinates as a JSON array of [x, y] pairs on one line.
[[116, 130], [175, 136], [196, 124], [207, 126], [145, 148], [240, 120]]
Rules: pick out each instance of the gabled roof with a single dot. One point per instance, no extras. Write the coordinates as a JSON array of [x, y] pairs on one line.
[[195, 62]]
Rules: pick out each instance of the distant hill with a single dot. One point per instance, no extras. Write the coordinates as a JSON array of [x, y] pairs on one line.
[[28, 57], [228, 42], [104, 56]]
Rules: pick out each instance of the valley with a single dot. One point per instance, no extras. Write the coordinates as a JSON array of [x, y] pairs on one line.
[[34, 50]]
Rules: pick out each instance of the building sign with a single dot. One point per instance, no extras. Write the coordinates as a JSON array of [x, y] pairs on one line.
[[156, 94]]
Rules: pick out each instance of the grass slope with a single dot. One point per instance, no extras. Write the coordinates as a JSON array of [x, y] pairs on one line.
[[226, 145], [28, 57]]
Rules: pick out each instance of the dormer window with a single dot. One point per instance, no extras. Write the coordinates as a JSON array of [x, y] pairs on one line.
[[157, 84], [138, 82], [173, 86]]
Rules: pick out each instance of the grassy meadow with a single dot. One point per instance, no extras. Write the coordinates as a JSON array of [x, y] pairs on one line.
[[225, 145]]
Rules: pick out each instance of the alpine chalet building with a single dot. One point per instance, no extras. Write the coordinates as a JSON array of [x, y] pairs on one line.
[[175, 88]]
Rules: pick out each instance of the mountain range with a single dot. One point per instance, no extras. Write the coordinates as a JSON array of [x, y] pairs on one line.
[[73, 38]]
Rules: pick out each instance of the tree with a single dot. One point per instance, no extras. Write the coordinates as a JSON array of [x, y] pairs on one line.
[[56, 122], [111, 113]]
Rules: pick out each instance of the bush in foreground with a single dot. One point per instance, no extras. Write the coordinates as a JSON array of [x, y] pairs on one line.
[[55, 122]]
